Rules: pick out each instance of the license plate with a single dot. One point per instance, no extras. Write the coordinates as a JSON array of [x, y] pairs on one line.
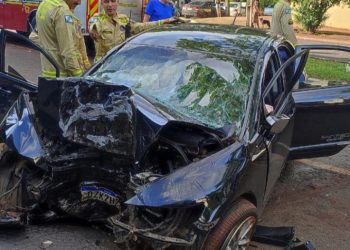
[[99, 193]]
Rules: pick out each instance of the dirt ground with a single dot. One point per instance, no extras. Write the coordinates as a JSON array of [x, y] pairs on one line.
[[316, 202]]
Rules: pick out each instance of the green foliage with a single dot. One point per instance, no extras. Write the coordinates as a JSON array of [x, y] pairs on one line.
[[266, 3], [327, 70], [226, 100], [311, 14]]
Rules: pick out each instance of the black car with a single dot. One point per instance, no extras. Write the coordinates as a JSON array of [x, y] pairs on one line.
[[175, 138]]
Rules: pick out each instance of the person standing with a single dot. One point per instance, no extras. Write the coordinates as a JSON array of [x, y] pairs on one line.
[[158, 10], [57, 31], [218, 8], [282, 22], [109, 29], [255, 15]]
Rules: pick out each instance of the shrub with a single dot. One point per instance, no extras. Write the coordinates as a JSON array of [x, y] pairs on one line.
[[266, 3], [311, 14]]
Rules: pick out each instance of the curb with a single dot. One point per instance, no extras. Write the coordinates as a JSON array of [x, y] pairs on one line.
[[325, 39]]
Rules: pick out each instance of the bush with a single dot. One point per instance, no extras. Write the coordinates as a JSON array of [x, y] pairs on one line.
[[266, 3], [311, 14]]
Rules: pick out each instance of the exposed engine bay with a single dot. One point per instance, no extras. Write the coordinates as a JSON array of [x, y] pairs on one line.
[[86, 149]]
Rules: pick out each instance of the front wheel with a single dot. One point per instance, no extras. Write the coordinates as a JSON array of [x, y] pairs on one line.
[[235, 229]]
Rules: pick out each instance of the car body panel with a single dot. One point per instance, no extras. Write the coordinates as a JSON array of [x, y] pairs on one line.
[[328, 106], [204, 178], [20, 132]]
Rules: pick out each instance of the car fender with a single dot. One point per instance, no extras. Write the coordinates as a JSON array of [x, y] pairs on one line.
[[195, 183], [18, 130]]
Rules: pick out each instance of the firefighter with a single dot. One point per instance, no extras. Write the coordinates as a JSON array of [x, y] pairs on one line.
[[57, 28], [80, 44], [282, 23], [109, 29]]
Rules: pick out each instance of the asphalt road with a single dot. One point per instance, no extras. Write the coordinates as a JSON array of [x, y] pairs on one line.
[[313, 196]]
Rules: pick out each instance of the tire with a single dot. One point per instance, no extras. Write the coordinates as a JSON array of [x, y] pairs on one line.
[[240, 218]]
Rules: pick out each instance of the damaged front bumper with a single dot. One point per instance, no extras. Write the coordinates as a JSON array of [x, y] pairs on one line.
[[144, 233]]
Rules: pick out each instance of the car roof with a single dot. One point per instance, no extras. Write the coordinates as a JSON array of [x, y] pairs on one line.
[[236, 41]]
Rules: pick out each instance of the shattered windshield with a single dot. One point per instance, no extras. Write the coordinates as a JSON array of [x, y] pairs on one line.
[[209, 89]]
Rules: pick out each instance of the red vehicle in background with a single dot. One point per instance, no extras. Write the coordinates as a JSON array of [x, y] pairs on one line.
[[18, 15]]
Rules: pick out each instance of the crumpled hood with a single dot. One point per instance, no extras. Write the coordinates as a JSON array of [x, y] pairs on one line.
[[108, 117]]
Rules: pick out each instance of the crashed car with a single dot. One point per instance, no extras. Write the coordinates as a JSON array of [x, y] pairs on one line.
[[174, 139]]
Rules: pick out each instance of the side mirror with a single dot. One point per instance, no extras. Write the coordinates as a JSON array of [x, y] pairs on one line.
[[277, 123]]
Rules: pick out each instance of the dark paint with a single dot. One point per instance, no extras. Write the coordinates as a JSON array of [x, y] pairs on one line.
[[92, 114], [20, 132], [205, 177], [326, 106]]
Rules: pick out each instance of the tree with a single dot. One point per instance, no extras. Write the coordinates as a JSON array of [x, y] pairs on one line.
[[311, 14], [267, 3]]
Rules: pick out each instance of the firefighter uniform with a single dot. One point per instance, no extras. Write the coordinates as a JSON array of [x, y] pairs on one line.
[[282, 23], [108, 32], [56, 30], [80, 44]]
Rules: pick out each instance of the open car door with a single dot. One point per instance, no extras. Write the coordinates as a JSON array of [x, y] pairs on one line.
[[19, 68], [322, 103]]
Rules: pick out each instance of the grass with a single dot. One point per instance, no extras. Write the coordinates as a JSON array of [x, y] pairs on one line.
[[327, 70]]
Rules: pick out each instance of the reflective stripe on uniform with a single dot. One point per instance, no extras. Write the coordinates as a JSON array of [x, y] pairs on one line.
[[77, 72], [52, 74]]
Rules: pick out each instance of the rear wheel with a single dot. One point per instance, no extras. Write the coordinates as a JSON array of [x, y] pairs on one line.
[[235, 229]]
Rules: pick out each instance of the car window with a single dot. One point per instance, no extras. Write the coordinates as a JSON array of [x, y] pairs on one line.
[[326, 68], [206, 88], [274, 95], [284, 53], [22, 59]]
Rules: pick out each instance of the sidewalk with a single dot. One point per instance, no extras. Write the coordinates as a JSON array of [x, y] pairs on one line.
[[324, 35]]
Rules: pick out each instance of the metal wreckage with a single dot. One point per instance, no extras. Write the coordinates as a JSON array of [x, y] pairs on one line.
[[98, 152]]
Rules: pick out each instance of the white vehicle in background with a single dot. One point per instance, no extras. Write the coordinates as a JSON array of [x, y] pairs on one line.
[[237, 8]]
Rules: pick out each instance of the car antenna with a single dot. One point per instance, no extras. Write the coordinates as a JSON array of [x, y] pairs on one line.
[[128, 27]]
